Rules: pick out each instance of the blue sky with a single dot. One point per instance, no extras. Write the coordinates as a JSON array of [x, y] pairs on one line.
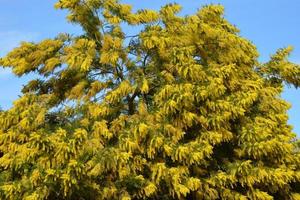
[[268, 24]]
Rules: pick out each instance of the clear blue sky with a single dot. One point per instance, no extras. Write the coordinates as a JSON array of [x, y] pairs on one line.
[[268, 24]]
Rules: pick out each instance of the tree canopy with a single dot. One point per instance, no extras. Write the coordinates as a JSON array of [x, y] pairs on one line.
[[181, 110]]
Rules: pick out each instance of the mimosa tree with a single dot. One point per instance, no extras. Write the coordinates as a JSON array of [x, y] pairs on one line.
[[181, 110]]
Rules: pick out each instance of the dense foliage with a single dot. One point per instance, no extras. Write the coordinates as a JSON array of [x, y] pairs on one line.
[[181, 110]]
